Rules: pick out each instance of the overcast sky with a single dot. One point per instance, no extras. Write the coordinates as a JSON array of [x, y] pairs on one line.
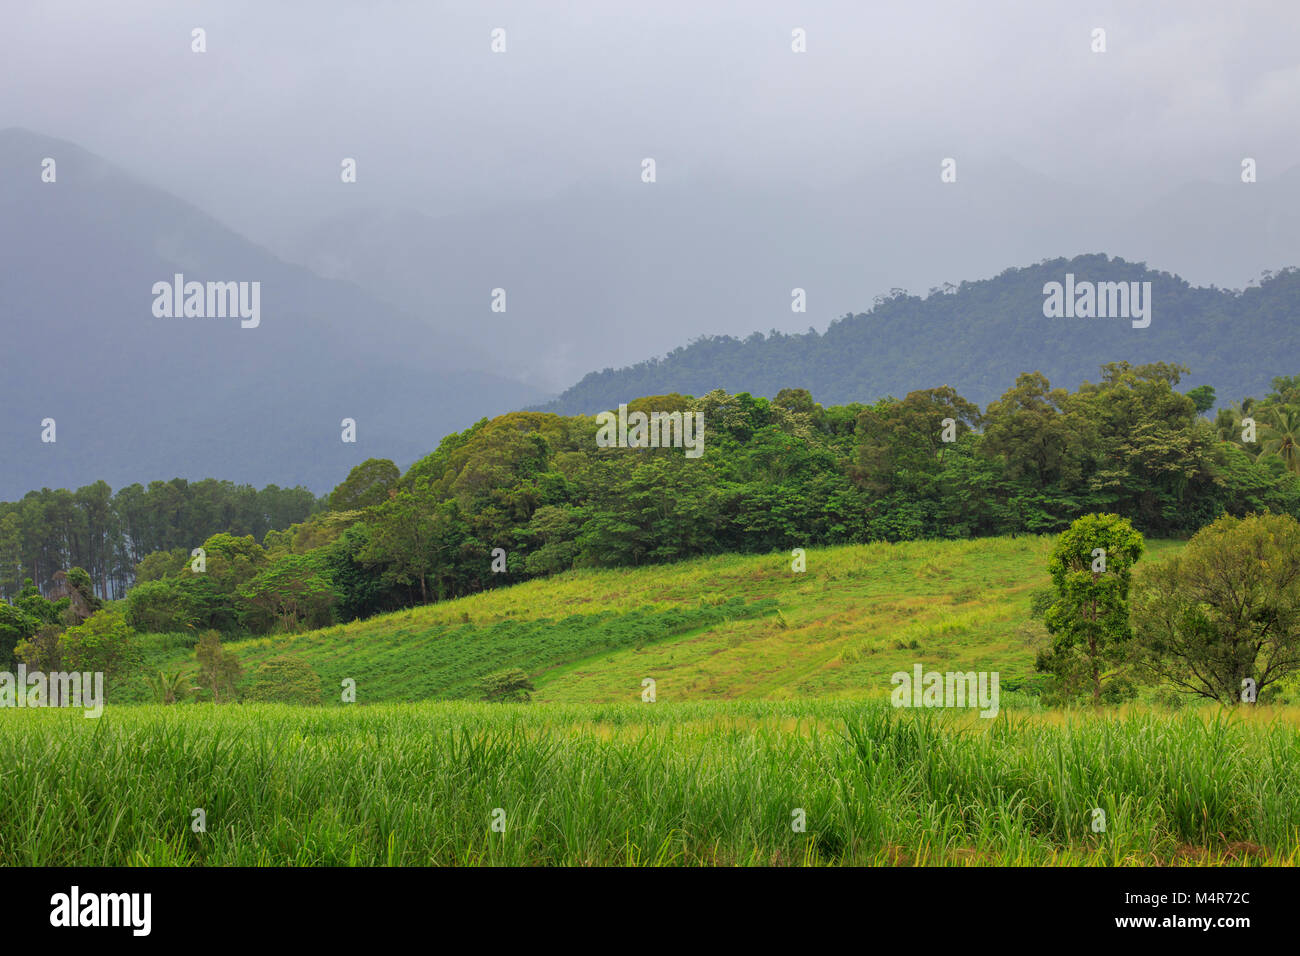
[[254, 129], [775, 169]]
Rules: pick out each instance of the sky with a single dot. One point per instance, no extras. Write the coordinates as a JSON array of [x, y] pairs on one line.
[[253, 130]]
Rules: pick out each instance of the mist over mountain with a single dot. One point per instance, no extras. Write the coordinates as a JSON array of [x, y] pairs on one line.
[[136, 397], [402, 338], [616, 271], [779, 166], [979, 336]]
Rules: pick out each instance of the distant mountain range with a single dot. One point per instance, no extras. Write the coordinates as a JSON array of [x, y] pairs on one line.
[[608, 272], [979, 336], [136, 397], [386, 319]]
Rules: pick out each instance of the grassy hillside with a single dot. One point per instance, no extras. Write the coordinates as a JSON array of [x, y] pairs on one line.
[[595, 777], [716, 628]]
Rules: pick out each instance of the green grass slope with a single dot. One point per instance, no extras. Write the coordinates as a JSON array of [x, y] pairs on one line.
[[728, 627]]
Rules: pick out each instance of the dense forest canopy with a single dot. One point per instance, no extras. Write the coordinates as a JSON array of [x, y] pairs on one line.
[[531, 494]]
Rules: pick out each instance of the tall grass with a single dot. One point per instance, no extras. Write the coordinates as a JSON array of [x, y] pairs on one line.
[[643, 784]]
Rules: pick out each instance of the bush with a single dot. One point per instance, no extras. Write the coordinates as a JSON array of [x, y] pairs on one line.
[[511, 685], [16, 626], [160, 606], [219, 670], [105, 642], [285, 680], [169, 688], [1226, 610]]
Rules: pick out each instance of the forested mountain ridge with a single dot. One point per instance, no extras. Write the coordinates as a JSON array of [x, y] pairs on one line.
[[708, 251], [979, 335]]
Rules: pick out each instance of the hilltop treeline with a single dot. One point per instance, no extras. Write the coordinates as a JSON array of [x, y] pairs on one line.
[[774, 475], [962, 335], [109, 534]]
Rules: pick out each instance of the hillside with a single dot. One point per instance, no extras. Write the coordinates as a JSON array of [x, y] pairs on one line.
[[716, 628], [138, 397], [1235, 341]]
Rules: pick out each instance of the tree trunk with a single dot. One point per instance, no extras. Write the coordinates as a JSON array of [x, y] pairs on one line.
[[1092, 649]]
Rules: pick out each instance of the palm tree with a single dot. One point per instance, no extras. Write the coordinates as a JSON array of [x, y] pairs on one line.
[[1283, 435], [169, 688], [1228, 423]]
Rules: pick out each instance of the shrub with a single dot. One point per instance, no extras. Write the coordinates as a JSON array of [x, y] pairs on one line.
[[219, 670], [285, 680], [160, 606], [105, 642], [1226, 611], [511, 685], [16, 626]]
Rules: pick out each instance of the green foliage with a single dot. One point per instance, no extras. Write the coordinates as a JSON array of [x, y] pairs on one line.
[[219, 669], [367, 484], [1282, 435], [697, 784], [512, 685], [16, 626], [161, 564], [105, 643], [138, 533], [43, 651], [291, 594], [775, 475], [161, 606], [1202, 397], [169, 688], [31, 602], [360, 593], [1225, 610], [552, 531], [1091, 569], [1040, 601], [405, 539], [285, 680]]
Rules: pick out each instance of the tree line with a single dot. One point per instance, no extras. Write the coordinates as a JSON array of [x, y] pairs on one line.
[[530, 494], [109, 534]]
